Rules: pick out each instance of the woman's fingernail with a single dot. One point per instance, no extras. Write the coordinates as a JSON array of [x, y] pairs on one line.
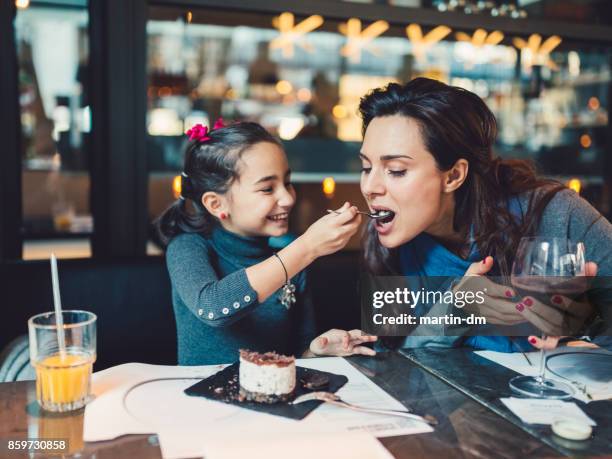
[[532, 340], [528, 302], [520, 307], [509, 293], [557, 299], [484, 262]]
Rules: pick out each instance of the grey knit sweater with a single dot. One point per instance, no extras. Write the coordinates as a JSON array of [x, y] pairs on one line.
[[567, 215], [216, 308]]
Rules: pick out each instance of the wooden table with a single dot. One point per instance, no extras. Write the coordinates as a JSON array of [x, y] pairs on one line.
[[467, 428]]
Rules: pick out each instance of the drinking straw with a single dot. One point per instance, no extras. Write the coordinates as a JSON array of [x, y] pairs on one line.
[[57, 302]]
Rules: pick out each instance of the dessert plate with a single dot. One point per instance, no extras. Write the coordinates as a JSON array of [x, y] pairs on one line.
[[223, 387]]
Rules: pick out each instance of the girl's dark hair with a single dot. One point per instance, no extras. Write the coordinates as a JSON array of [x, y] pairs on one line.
[[211, 165], [456, 123]]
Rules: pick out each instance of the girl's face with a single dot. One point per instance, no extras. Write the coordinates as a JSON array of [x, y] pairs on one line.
[[260, 200], [400, 175]]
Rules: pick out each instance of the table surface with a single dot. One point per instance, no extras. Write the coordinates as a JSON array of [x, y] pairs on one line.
[[467, 428], [486, 382]]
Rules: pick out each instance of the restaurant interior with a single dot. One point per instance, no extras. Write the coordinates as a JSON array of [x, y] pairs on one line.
[[97, 96]]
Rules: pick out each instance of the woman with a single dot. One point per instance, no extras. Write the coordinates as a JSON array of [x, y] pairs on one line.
[[458, 210]]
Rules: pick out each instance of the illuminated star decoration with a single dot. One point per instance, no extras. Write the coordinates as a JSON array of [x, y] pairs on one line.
[[293, 34], [421, 44], [479, 39], [537, 53], [358, 40]]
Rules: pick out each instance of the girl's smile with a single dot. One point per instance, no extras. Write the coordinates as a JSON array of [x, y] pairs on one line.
[[281, 218]]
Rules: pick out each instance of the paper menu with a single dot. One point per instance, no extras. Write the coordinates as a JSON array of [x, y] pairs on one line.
[[361, 391], [541, 411]]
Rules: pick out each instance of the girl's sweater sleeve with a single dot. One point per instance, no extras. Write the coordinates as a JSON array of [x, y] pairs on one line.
[[218, 302]]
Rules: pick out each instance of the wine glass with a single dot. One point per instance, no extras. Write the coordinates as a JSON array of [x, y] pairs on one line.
[[544, 267]]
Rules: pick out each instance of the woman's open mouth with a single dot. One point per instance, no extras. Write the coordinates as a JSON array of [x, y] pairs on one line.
[[383, 219]]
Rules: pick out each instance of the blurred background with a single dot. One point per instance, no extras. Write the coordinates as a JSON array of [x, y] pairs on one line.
[[99, 94]]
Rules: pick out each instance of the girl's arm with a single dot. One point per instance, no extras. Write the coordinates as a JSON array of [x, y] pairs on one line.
[[216, 302], [222, 301], [325, 236]]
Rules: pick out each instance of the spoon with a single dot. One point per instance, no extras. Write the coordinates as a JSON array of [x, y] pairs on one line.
[[333, 399], [376, 216]]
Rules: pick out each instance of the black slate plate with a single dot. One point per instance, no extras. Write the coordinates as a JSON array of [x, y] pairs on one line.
[[228, 380]]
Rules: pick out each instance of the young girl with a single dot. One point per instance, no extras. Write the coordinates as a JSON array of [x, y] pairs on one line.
[[230, 289], [458, 210]]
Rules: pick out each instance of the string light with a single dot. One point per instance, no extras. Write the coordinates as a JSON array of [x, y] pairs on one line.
[[593, 103], [585, 141], [575, 184], [304, 95], [329, 187], [176, 187], [283, 87], [339, 111], [509, 9]]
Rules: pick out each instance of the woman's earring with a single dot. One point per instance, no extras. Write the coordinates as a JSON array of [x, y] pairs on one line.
[[223, 215]]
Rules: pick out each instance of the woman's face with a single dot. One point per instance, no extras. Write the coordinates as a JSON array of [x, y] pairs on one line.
[[260, 200], [400, 175]]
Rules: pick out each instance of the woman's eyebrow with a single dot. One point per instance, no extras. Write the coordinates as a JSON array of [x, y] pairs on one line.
[[391, 157], [386, 157]]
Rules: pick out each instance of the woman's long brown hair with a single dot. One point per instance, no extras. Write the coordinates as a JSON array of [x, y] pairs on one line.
[[454, 124]]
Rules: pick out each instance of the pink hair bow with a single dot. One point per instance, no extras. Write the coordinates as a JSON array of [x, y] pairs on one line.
[[219, 124], [200, 132]]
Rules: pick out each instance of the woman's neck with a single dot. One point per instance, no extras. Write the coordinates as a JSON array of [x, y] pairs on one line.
[[443, 232]]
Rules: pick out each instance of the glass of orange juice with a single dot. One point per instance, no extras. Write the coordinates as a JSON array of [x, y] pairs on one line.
[[63, 374]]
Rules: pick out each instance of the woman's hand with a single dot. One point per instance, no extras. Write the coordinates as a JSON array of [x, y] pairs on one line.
[[566, 318], [498, 306], [331, 232], [548, 343], [559, 317], [342, 343]]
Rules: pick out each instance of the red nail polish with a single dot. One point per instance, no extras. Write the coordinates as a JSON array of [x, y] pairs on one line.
[[520, 307], [557, 299], [528, 302], [532, 340], [484, 262], [509, 293]]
